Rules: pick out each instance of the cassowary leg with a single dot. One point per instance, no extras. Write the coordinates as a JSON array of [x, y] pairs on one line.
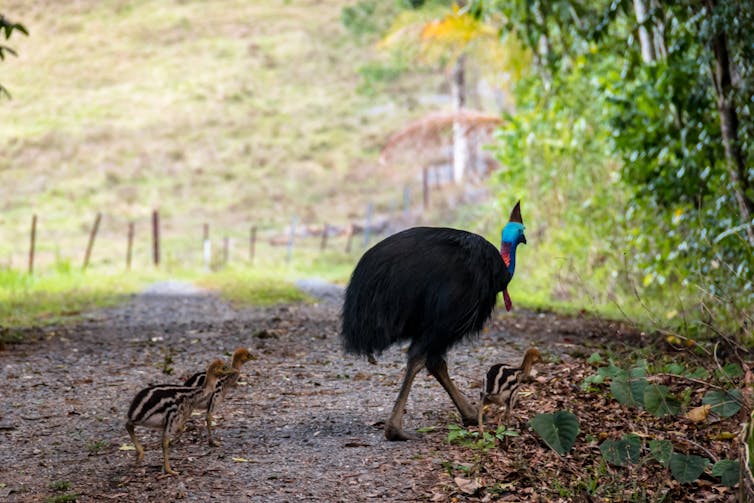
[[393, 426], [439, 369]]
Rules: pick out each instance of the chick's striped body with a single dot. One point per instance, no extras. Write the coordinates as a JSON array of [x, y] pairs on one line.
[[166, 406], [501, 384], [221, 389]]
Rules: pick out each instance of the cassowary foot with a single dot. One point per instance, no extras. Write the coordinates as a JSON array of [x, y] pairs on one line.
[[394, 433], [471, 420], [214, 443]]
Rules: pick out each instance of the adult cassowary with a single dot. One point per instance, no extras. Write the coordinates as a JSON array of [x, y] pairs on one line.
[[433, 287]]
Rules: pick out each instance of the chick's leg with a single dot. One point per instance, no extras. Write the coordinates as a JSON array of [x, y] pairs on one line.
[[165, 460], [211, 440], [137, 444]]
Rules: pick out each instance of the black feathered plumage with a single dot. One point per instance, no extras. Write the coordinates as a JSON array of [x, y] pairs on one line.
[[432, 286]]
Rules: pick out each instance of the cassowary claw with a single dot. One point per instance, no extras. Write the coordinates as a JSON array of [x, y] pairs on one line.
[[396, 434]]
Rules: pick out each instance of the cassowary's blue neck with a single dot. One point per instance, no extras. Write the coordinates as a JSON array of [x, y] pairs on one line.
[[508, 252]]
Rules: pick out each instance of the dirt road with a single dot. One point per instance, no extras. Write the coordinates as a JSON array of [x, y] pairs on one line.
[[304, 424]]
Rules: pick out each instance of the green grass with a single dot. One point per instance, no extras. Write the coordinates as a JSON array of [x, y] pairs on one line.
[[250, 286], [57, 296]]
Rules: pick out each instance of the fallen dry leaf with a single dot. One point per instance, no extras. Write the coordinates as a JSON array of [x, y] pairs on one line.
[[126, 447], [699, 414], [467, 486]]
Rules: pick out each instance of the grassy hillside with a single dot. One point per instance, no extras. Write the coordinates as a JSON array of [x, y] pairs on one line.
[[230, 112]]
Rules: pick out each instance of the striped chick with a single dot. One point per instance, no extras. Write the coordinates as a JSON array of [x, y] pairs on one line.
[[501, 383], [210, 403], [167, 406]]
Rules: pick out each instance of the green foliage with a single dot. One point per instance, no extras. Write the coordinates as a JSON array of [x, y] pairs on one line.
[[7, 28], [729, 371], [376, 75], [659, 402], [631, 388], [687, 468], [723, 403], [367, 17], [458, 435], [628, 386], [661, 450], [729, 471], [594, 358], [559, 430], [623, 451], [684, 468], [60, 485], [595, 122], [96, 447]]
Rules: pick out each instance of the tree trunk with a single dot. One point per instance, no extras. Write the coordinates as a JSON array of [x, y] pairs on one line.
[[460, 133], [735, 157], [661, 50], [646, 36]]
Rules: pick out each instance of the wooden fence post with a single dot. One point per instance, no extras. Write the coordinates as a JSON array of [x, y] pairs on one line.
[[406, 201], [349, 238], [129, 248], [252, 243], [368, 225], [156, 237], [290, 239], [206, 246], [33, 243], [92, 236], [323, 243]]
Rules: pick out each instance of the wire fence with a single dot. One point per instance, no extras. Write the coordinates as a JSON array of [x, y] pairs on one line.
[[161, 239]]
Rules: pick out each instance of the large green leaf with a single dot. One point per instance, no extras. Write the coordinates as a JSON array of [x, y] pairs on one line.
[[628, 386], [559, 430], [729, 371], [661, 450], [659, 402], [687, 468], [729, 470], [724, 403], [610, 371], [622, 452]]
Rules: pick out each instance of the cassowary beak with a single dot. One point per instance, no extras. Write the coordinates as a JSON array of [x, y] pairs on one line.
[[516, 214], [523, 239]]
